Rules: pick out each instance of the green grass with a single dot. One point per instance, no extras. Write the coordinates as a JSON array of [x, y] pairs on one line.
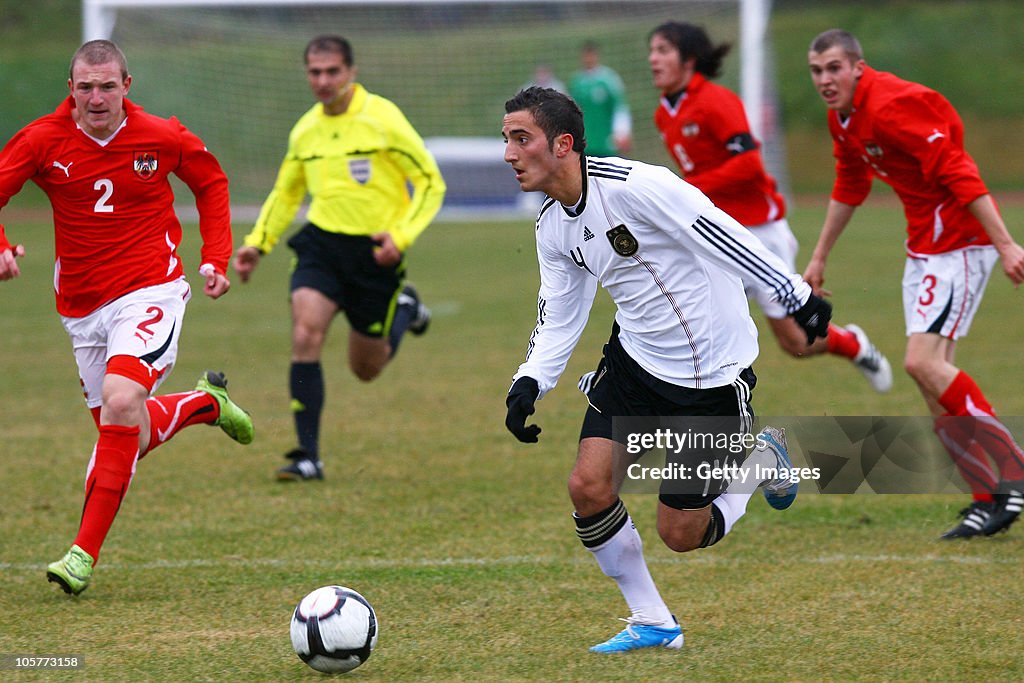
[[460, 536]]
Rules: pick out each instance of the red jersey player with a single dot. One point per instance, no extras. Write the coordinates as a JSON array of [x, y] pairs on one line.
[[104, 163], [705, 130], [911, 138]]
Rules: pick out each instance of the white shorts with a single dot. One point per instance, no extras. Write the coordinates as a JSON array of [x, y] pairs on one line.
[[145, 324], [780, 240], [942, 292]]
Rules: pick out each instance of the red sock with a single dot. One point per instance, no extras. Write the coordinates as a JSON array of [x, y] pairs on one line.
[[842, 342], [171, 413], [106, 483], [964, 399], [968, 456]]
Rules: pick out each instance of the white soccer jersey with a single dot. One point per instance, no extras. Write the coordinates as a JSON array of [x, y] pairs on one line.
[[673, 263]]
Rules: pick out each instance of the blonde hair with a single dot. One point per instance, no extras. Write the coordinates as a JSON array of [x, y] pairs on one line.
[[97, 52]]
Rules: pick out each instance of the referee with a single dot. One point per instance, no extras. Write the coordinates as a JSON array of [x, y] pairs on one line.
[[374, 188]]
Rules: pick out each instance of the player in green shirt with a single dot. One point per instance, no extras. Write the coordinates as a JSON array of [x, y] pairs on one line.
[[599, 92]]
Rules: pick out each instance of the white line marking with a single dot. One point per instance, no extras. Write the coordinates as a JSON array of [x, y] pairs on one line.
[[524, 560]]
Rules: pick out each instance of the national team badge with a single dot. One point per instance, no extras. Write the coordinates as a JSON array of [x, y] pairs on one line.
[[145, 164], [359, 169], [690, 129], [622, 240], [873, 149]]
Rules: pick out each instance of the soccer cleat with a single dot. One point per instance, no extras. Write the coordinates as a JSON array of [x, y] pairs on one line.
[[1007, 510], [637, 635], [421, 321], [72, 572], [781, 491], [975, 516], [235, 422], [303, 467], [870, 361]]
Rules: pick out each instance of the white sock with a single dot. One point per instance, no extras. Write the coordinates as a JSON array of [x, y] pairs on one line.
[[622, 558], [733, 503]]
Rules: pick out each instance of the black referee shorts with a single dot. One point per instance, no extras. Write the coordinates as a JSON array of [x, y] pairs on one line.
[[625, 393], [341, 267]]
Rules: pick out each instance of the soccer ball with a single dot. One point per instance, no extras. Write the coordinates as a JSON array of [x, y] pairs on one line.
[[334, 629]]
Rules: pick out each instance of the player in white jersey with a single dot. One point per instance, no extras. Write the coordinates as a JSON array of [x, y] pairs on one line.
[[682, 344]]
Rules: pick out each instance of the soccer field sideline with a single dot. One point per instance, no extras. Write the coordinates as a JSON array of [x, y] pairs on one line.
[[705, 560]]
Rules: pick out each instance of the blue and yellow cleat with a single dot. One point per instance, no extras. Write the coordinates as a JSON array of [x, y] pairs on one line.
[[72, 572], [781, 491], [636, 636]]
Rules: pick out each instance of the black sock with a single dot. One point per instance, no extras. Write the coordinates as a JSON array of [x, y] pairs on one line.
[[715, 530], [307, 388]]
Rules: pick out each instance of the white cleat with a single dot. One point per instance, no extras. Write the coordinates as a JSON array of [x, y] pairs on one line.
[[870, 361]]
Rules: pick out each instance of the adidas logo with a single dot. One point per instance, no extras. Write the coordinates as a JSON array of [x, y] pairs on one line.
[[587, 235]]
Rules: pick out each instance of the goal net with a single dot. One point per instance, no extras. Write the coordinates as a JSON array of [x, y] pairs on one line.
[[232, 70]]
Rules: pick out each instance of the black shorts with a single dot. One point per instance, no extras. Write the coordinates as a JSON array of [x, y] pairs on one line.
[[341, 267], [626, 398]]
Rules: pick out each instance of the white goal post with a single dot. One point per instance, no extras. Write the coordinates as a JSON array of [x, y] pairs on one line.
[[199, 58]]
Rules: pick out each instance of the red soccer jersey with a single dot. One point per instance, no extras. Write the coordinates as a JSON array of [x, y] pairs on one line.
[[708, 136], [113, 206], [911, 138]]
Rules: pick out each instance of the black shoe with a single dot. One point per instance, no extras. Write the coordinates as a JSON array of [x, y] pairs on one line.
[[421, 318], [975, 516], [302, 468], [1007, 510]]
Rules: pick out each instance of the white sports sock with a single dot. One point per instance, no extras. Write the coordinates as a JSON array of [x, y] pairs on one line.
[[622, 558], [733, 503], [732, 506]]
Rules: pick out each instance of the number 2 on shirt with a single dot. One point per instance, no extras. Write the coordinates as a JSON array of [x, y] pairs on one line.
[[106, 186]]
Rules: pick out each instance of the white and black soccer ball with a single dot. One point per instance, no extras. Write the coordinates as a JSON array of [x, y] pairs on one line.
[[334, 629]]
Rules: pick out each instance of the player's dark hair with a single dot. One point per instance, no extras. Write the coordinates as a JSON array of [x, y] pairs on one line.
[[96, 52], [837, 37], [556, 113], [693, 43], [330, 43]]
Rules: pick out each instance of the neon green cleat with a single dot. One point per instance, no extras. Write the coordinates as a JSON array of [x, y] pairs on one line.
[[235, 422], [72, 572]]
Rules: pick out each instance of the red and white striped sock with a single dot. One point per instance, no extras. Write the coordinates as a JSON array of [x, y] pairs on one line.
[[964, 399], [842, 342], [171, 413]]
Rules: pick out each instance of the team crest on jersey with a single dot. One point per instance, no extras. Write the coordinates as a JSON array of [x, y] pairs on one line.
[[690, 130], [359, 169], [874, 149], [622, 240], [145, 164]]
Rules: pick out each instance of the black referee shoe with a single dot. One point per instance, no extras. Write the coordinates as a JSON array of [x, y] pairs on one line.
[[303, 467], [421, 317]]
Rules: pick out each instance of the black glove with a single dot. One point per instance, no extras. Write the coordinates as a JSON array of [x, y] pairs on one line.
[[521, 398], [814, 317]]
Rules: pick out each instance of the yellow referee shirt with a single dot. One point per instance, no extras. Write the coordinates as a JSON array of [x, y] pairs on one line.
[[366, 170]]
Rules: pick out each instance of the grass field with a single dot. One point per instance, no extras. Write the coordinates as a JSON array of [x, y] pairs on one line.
[[459, 535]]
